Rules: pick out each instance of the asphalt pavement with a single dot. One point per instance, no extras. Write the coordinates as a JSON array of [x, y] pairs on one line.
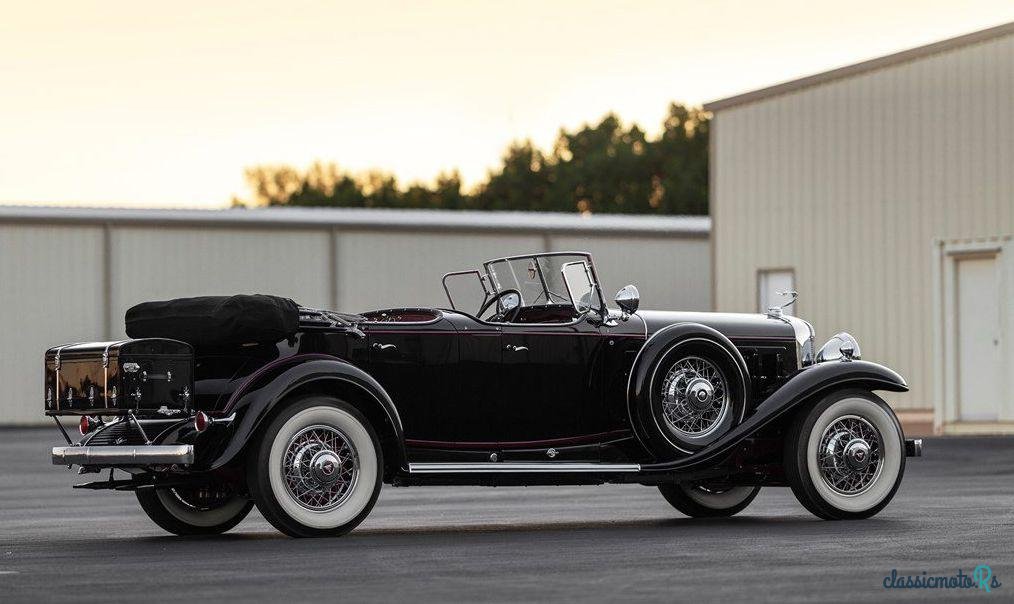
[[955, 510]]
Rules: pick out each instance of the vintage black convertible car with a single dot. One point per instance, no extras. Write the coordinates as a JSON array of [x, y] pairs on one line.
[[220, 403]]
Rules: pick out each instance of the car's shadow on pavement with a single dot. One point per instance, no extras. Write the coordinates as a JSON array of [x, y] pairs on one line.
[[740, 526]]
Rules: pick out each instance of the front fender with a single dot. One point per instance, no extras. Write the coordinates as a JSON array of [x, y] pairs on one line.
[[255, 400], [805, 386]]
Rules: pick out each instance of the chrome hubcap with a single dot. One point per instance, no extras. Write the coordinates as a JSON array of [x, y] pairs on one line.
[[695, 397], [849, 455], [857, 454], [320, 467], [700, 393], [324, 467]]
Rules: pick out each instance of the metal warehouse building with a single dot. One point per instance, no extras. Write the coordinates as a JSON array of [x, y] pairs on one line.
[[70, 274], [884, 193]]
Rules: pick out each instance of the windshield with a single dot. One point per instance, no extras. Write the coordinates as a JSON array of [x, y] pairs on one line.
[[537, 277]]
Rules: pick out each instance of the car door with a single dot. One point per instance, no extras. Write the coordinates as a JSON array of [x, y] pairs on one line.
[[414, 364], [442, 382], [550, 384]]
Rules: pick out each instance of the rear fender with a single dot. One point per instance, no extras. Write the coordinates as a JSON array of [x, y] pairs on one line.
[[803, 388], [257, 399]]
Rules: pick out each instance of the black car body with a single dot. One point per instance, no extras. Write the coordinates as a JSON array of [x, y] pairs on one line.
[[538, 382]]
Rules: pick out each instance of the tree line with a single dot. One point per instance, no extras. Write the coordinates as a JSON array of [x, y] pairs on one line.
[[606, 167]]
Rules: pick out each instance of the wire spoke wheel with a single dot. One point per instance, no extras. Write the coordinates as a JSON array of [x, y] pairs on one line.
[[695, 397], [850, 455], [707, 500], [205, 498], [320, 467], [844, 455], [208, 509]]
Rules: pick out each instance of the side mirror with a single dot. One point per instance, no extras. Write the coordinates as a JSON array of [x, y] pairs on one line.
[[628, 299]]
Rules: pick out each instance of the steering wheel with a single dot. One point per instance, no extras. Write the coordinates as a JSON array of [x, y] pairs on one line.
[[501, 317]]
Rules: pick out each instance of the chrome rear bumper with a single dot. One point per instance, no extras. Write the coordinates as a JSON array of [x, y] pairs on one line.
[[140, 455], [913, 447]]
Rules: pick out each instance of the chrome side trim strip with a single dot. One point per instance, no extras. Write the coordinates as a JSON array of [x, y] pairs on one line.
[[141, 455], [520, 468]]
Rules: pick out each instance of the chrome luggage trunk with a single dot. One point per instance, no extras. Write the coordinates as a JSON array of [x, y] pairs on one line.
[[149, 377]]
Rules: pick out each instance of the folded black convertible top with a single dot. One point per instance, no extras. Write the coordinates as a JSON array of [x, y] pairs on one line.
[[215, 320]]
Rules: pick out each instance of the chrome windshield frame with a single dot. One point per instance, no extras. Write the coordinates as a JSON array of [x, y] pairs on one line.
[[584, 257], [482, 282]]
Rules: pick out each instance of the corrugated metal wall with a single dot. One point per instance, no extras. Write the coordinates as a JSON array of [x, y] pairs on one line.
[[850, 182], [51, 291], [664, 271], [157, 264], [73, 282], [378, 270]]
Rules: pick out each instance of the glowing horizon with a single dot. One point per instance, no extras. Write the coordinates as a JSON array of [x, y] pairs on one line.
[[123, 104]]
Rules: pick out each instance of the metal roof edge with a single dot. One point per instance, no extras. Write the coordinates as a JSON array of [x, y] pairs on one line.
[[365, 219], [861, 67]]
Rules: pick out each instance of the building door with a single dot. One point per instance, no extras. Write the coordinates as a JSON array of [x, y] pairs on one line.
[[978, 336], [769, 284]]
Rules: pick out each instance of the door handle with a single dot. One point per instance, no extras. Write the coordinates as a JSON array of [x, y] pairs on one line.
[[167, 376], [379, 346], [513, 348]]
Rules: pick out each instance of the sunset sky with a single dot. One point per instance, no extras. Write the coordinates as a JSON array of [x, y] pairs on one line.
[[164, 104]]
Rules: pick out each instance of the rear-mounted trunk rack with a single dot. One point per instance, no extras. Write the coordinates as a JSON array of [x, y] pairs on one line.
[[128, 417], [91, 458]]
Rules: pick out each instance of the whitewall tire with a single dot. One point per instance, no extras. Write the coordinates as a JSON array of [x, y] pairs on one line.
[[707, 501], [318, 468], [191, 512], [845, 457]]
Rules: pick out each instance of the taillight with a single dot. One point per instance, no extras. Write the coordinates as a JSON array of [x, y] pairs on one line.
[[86, 425], [201, 421]]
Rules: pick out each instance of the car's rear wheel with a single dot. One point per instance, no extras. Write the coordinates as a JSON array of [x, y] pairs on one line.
[[317, 470], [845, 457], [707, 501], [194, 511]]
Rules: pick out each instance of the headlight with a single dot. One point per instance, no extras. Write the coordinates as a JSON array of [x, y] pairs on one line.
[[842, 346]]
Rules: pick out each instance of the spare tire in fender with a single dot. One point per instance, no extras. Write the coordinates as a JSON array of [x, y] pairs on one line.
[[688, 387]]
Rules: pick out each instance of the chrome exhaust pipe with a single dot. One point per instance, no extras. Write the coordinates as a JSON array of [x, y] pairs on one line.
[[141, 455]]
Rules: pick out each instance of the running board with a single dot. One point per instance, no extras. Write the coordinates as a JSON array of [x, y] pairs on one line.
[[501, 467]]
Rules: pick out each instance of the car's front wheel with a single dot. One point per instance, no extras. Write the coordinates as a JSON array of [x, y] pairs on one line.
[[707, 501], [194, 511], [845, 457], [317, 470]]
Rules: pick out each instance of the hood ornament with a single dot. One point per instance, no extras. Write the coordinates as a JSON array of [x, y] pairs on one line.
[[776, 312]]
